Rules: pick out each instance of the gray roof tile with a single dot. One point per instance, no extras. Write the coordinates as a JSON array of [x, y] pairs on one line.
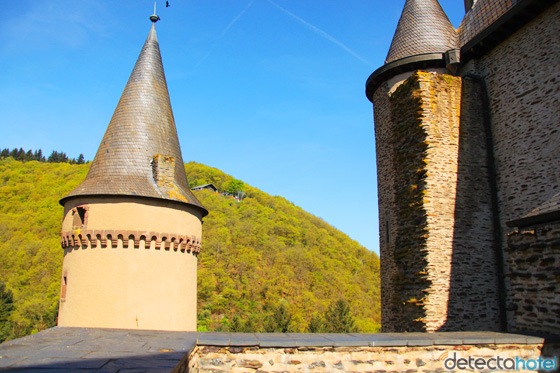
[[482, 14], [423, 28]]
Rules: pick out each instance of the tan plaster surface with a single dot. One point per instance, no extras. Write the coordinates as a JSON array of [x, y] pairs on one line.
[[134, 288]]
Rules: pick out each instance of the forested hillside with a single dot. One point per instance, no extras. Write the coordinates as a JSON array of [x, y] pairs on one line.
[[265, 264]]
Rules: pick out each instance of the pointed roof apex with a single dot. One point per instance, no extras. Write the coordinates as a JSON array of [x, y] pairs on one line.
[[139, 155], [152, 36], [423, 28]]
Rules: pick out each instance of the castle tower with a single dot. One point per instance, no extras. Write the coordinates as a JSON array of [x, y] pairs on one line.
[[438, 264], [132, 229]]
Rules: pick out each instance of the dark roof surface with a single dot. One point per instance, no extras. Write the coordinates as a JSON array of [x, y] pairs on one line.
[[482, 14], [205, 186], [142, 127], [548, 211], [62, 349], [423, 28]]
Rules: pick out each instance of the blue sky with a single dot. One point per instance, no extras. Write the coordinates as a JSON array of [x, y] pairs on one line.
[[269, 91]]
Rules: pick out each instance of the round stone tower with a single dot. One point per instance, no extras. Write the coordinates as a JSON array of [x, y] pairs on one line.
[[433, 184], [132, 229]]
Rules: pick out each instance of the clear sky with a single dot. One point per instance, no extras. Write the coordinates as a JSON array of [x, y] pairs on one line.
[[269, 91]]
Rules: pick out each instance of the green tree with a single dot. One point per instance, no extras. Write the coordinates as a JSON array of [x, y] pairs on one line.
[[338, 317], [38, 156], [20, 156], [29, 156], [280, 320], [316, 324], [80, 159], [14, 153], [6, 308], [235, 186]]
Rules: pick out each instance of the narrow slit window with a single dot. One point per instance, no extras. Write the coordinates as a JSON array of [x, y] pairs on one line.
[[64, 285], [387, 231]]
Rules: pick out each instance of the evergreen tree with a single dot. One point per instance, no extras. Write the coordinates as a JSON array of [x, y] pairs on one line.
[[53, 158], [279, 321], [20, 154], [316, 324], [57, 157], [338, 318], [5, 153], [6, 308], [29, 156], [39, 155], [81, 159]]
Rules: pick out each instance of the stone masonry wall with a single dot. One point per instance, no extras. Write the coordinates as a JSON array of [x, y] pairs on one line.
[[523, 79], [206, 359], [522, 76], [438, 263], [386, 200], [534, 273], [473, 302], [440, 104]]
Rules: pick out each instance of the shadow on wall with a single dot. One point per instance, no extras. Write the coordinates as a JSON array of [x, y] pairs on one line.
[[474, 292]]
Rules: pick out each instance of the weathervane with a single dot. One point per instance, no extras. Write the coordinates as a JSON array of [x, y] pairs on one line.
[[154, 18]]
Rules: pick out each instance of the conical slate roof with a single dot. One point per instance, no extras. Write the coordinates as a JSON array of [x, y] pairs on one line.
[[423, 28], [140, 154]]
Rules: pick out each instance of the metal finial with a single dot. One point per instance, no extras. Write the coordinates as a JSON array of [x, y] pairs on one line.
[[154, 17]]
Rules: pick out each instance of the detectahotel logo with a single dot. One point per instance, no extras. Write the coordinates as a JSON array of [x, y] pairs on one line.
[[453, 361]]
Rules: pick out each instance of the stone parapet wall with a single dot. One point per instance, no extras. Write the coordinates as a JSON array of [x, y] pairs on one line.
[[534, 273], [208, 359], [392, 352]]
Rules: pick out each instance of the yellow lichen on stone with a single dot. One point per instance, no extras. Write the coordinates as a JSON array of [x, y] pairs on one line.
[[176, 194]]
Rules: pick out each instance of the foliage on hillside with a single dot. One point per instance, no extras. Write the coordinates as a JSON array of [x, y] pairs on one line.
[[30, 253], [265, 251], [262, 259]]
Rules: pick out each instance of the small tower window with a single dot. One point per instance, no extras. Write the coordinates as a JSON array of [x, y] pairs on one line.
[[79, 217], [63, 290]]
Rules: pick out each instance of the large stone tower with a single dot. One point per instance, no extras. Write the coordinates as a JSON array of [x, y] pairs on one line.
[[132, 229], [438, 263]]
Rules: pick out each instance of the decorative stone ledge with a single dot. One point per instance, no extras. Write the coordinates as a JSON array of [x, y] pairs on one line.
[[128, 238]]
